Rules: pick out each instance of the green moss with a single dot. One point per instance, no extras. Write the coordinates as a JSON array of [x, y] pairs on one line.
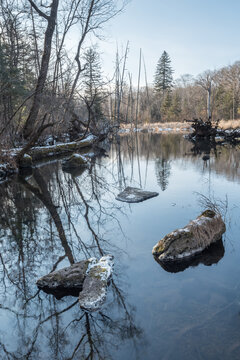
[[208, 213], [96, 272]]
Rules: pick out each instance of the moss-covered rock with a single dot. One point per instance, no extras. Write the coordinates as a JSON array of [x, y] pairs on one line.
[[26, 161], [87, 279], [193, 238], [75, 161], [67, 281]]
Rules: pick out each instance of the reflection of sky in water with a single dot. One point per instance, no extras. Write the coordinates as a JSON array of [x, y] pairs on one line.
[[150, 313]]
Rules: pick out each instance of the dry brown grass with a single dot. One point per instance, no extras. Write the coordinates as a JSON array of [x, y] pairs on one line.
[[174, 126], [229, 124]]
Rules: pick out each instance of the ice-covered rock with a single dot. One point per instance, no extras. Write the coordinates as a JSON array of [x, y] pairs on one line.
[[192, 239], [94, 291], [135, 195], [87, 279]]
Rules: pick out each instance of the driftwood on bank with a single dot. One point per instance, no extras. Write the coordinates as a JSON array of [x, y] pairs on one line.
[[208, 131], [203, 129]]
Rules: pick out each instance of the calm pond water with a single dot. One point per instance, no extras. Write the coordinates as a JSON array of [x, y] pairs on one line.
[[52, 218]]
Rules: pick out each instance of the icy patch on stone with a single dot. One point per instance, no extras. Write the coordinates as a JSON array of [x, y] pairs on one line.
[[94, 292], [135, 195]]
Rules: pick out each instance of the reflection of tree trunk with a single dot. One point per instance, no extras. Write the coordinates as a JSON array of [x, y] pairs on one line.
[[87, 219], [45, 197]]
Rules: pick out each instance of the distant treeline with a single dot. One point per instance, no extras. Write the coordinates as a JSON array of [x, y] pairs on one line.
[[187, 97]]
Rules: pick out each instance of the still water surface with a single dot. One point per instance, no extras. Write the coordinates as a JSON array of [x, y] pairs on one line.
[[51, 219]]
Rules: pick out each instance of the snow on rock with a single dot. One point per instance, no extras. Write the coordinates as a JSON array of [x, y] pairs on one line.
[[94, 292], [87, 279], [135, 195], [192, 239]]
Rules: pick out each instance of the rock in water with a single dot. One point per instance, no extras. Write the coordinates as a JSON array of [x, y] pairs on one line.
[[135, 195], [94, 290], [76, 160], [209, 256], [67, 281], [192, 239]]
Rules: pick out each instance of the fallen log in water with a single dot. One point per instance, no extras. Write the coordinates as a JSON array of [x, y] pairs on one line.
[[41, 152]]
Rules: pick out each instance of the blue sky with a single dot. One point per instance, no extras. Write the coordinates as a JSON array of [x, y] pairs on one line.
[[197, 34]]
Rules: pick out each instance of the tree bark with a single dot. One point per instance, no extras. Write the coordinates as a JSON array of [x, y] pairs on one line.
[[51, 19]]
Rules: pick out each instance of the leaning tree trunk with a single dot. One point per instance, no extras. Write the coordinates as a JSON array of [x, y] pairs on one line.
[[51, 19]]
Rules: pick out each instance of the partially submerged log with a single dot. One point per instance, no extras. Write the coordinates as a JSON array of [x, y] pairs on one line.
[[135, 195], [41, 152], [87, 279], [192, 239]]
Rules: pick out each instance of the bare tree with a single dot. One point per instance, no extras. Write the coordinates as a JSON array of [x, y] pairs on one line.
[[206, 81]]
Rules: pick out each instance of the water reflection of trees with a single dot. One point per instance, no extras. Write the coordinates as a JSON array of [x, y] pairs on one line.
[[163, 171], [224, 160], [49, 218]]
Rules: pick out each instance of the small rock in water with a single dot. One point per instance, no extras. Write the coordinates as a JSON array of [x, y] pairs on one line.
[[206, 157], [135, 195], [192, 239], [94, 291], [76, 160], [67, 281]]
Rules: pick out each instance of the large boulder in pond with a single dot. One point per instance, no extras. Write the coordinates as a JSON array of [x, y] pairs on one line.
[[135, 195], [94, 291], [75, 161], [192, 239], [211, 255]]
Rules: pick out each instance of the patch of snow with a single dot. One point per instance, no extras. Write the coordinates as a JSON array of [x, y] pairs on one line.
[[106, 264], [183, 255]]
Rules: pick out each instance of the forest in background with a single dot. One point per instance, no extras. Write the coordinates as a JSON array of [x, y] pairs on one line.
[[46, 88]]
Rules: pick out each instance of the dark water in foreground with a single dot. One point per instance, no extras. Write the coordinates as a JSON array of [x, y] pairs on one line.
[[52, 218]]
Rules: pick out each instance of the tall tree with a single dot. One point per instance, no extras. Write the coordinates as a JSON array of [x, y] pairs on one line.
[[51, 23], [93, 84], [163, 76]]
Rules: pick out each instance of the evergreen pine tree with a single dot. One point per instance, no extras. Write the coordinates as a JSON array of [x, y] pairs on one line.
[[163, 76], [166, 106], [92, 81], [175, 108]]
